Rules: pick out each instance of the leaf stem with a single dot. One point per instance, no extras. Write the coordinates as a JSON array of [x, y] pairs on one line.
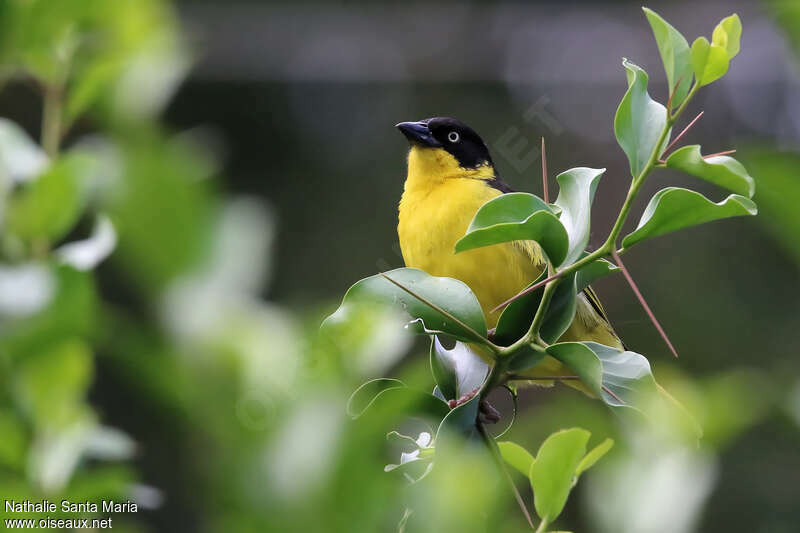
[[542, 527], [51, 118], [495, 451]]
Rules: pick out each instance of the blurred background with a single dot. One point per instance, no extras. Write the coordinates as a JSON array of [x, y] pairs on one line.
[[228, 169]]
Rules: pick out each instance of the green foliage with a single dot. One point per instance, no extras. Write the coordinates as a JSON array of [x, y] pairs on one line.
[[47, 208], [675, 54], [531, 324], [675, 208], [639, 121], [709, 61], [516, 456], [199, 342], [720, 170], [458, 371], [552, 472], [517, 217], [455, 309], [576, 193]]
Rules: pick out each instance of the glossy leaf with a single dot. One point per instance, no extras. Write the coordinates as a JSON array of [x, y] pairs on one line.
[[552, 473], [576, 193], [639, 120], [594, 455], [458, 371], [675, 54], [709, 61], [582, 361], [461, 421], [450, 295], [675, 208], [516, 456], [516, 217], [720, 170], [594, 271], [727, 35], [363, 396], [617, 377], [561, 311], [395, 396], [516, 318]]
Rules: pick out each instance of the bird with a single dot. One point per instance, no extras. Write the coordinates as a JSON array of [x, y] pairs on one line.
[[450, 176]]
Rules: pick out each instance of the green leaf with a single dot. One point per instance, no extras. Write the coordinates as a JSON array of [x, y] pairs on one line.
[[451, 295], [516, 217], [516, 456], [52, 384], [639, 120], [576, 193], [675, 208], [457, 371], [47, 208], [594, 271], [720, 170], [593, 456], [709, 61], [675, 55], [516, 318], [391, 396], [582, 361], [727, 35], [361, 398], [461, 421], [561, 310], [617, 377], [551, 474]]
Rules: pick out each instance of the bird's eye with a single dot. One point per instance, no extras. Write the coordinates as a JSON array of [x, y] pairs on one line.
[[453, 136]]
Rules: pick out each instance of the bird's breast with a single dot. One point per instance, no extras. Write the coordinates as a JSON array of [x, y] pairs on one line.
[[431, 221]]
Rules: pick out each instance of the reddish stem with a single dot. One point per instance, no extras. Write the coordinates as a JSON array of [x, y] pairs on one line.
[[544, 174], [642, 301], [681, 134], [527, 291], [726, 152]]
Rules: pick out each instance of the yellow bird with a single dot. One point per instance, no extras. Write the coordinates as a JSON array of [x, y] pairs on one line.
[[450, 176]]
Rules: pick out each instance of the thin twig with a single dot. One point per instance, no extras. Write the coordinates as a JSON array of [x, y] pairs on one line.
[[441, 311], [642, 301], [492, 445], [527, 291], [520, 377], [544, 174], [681, 134], [672, 93], [606, 389], [726, 152]]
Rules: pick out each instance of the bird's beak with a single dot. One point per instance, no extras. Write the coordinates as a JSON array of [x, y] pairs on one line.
[[418, 133]]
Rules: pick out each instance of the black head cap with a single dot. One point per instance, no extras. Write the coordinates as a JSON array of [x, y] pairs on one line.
[[451, 135]]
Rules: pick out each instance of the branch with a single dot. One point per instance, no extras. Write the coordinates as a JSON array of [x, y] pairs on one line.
[[643, 302], [492, 445], [681, 134], [544, 175]]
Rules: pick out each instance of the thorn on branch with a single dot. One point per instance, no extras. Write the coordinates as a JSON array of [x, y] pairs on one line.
[[672, 93], [683, 132], [643, 302], [544, 174], [726, 152], [527, 291]]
